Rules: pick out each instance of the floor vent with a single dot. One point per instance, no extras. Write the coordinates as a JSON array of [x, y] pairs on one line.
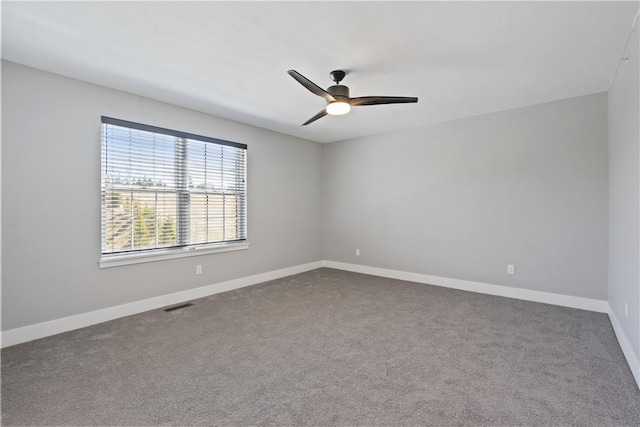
[[178, 307]]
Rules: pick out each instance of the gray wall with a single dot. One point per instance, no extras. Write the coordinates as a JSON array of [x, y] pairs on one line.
[[51, 200], [624, 194], [465, 198]]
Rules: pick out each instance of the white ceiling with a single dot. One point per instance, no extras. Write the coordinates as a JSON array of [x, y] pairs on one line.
[[230, 59]]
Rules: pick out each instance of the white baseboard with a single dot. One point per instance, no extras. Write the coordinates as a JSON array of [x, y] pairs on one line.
[[53, 327], [44, 329], [600, 306], [629, 354]]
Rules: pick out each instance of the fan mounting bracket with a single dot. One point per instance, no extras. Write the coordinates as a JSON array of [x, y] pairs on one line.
[[337, 76]]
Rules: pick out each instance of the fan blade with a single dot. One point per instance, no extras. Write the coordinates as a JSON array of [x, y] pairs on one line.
[[320, 115], [313, 88], [378, 100]]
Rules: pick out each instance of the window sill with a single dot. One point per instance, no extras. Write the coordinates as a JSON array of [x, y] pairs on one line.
[[118, 260]]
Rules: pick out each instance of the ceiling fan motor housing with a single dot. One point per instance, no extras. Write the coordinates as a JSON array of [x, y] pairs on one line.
[[339, 92]]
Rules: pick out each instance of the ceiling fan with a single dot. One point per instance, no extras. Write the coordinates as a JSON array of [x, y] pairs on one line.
[[337, 96]]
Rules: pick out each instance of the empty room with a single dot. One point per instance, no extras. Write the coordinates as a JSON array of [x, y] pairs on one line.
[[320, 213]]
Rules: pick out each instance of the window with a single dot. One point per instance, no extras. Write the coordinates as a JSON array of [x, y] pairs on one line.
[[167, 193]]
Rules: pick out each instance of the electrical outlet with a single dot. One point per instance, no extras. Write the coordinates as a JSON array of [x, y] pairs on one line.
[[511, 269], [357, 252], [198, 269], [626, 310]]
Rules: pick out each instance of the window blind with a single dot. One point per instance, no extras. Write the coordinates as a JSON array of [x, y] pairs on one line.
[[164, 189]]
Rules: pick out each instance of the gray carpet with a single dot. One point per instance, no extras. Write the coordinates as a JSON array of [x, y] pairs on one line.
[[329, 347]]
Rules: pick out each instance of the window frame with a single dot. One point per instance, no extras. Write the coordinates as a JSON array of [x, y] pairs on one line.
[[179, 251]]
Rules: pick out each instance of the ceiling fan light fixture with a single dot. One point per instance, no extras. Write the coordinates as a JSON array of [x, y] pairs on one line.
[[338, 108]]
